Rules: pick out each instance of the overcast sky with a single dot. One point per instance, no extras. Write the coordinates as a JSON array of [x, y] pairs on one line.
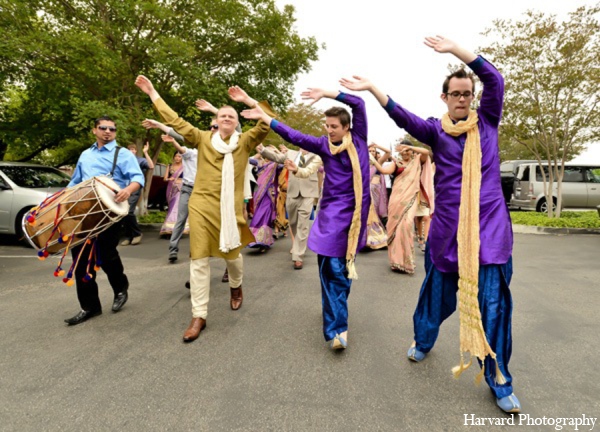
[[383, 40]]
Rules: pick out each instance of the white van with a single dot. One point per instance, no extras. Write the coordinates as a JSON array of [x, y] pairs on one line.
[[580, 187]]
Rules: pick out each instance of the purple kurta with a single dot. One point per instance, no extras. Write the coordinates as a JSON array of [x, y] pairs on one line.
[[329, 234], [495, 225]]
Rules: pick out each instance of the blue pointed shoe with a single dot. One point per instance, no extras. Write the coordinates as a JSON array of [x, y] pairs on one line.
[[509, 404], [414, 354]]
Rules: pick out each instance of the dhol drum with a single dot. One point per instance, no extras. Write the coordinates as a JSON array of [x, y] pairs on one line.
[[73, 215]]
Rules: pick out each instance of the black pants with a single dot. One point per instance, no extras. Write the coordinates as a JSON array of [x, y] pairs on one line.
[[108, 259], [130, 223]]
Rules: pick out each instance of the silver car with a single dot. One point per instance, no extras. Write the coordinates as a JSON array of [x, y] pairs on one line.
[[23, 186], [580, 187]]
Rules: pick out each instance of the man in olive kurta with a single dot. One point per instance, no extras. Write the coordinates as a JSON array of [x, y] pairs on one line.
[[205, 202]]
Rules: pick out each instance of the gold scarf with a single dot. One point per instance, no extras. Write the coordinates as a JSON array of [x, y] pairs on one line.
[[472, 334], [354, 232]]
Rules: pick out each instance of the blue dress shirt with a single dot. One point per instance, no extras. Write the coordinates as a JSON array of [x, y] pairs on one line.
[[99, 161]]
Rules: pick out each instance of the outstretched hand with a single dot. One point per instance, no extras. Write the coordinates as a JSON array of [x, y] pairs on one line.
[[313, 95], [146, 147], [144, 84], [237, 94], [360, 84], [205, 106], [167, 138], [290, 165], [255, 113], [402, 147], [440, 44], [150, 124]]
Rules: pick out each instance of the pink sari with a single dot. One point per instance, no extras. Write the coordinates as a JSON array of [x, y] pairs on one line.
[[401, 212], [376, 235]]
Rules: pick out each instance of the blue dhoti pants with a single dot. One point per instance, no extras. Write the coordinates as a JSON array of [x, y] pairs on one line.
[[437, 301], [335, 289]]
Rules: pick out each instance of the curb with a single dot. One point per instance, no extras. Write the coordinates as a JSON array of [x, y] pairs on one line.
[[527, 229], [150, 227]]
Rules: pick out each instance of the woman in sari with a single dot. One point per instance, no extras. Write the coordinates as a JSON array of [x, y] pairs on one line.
[[173, 175], [375, 232], [413, 176], [265, 197], [281, 222]]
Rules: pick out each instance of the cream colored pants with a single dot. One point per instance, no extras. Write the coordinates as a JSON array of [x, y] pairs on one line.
[[299, 210], [200, 282]]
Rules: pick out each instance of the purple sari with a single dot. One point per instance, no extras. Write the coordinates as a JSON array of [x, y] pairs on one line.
[[265, 210], [173, 193]]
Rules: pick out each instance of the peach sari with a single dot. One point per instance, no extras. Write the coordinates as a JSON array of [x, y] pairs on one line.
[[401, 212]]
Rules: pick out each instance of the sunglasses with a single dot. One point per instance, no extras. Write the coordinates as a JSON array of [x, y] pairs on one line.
[[110, 128], [214, 127]]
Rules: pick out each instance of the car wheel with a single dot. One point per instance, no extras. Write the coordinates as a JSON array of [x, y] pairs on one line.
[[19, 227], [542, 206]]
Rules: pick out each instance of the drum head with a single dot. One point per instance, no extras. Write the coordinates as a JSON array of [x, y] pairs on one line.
[[107, 196]]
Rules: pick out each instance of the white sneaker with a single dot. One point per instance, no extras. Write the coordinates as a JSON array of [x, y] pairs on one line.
[[136, 240]]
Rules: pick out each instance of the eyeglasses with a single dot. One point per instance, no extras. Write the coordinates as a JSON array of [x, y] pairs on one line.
[[457, 95], [214, 127], [110, 128]]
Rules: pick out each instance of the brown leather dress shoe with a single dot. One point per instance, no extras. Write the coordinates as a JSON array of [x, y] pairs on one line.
[[236, 298], [297, 265], [193, 331], [225, 276]]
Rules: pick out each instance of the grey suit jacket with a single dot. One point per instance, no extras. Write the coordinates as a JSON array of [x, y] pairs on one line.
[[297, 186]]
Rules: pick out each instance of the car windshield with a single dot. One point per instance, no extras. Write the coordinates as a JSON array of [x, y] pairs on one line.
[[36, 176]]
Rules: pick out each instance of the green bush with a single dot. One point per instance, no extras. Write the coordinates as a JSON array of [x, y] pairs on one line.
[[153, 217], [568, 219]]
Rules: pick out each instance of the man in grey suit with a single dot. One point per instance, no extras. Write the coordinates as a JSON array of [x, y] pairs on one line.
[[303, 190]]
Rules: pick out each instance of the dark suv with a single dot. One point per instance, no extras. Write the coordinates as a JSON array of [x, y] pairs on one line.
[[157, 197], [508, 173]]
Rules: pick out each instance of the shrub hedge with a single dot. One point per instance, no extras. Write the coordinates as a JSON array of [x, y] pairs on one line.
[[568, 219]]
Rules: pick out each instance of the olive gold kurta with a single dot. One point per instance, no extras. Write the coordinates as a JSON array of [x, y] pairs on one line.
[[204, 204]]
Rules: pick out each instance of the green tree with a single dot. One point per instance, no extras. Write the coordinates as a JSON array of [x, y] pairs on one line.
[[303, 118], [552, 74], [64, 63]]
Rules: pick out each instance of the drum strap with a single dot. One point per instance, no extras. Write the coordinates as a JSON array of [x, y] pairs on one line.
[[112, 171]]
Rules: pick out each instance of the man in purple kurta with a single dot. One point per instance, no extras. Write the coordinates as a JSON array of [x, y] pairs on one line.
[[437, 300], [329, 235]]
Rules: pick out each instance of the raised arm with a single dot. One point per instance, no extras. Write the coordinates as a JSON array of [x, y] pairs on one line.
[[444, 45], [206, 106], [490, 105], [386, 153], [170, 139], [147, 156], [421, 129], [383, 170], [268, 153], [421, 151], [305, 172], [170, 117], [258, 133], [299, 139]]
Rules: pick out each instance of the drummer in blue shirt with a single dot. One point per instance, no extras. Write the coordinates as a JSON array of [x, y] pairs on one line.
[[98, 160]]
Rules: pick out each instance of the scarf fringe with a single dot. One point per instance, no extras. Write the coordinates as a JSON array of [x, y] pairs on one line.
[[350, 265], [458, 370]]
